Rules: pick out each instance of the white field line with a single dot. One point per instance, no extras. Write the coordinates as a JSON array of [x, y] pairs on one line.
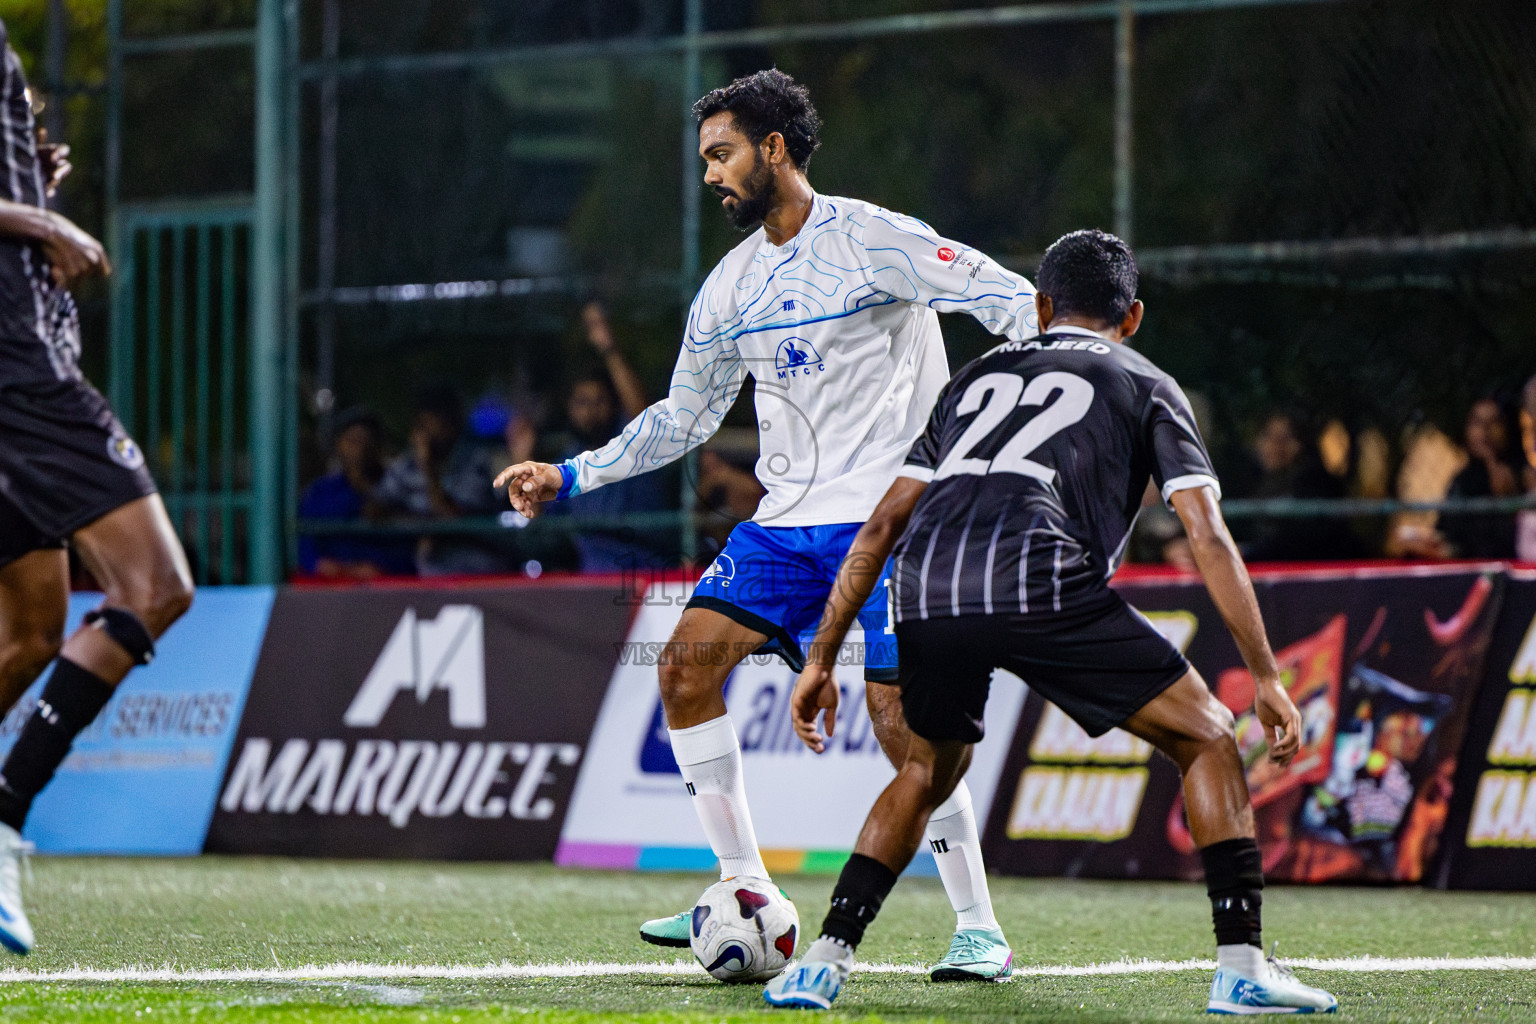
[[589, 969]]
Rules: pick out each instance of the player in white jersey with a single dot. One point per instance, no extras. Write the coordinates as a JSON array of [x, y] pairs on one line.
[[831, 306]]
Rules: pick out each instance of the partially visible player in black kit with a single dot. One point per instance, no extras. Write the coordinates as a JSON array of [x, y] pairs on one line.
[[69, 475], [1008, 520]]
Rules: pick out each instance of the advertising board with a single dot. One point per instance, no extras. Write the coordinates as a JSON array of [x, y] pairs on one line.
[[631, 810], [418, 722], [1384, 667], [142, 779]]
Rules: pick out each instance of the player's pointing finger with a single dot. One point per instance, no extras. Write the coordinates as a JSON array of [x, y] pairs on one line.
[[521, 469]]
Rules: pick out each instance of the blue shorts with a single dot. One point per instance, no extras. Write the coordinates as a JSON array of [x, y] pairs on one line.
[[775, 579]]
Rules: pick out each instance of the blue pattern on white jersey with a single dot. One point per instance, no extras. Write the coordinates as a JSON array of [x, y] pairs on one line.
[[838, 328]]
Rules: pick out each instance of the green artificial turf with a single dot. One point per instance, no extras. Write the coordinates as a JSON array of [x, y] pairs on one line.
[[222, 913]]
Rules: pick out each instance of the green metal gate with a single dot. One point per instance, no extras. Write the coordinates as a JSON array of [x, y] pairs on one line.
[[204, 330], [181, 374]]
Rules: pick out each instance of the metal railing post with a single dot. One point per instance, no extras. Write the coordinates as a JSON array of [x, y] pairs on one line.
[[1125, 59], [120, 337], [689, 271], [268, 272], [325, 397], [288, 487]]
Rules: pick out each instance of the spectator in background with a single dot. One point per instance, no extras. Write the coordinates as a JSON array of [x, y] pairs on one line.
[[1290, 466], [1525, 529], [444, 475], [1431, 461], [504, 427], [599, 405], [729, 492], [346, 494], [1493, 470], [1372, 460]]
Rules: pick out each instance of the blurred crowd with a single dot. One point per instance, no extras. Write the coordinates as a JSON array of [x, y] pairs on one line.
[[377, 494], [1296, 461], [426, 507]]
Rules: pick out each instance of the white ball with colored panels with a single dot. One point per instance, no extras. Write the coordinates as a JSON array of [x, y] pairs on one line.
[[744, 930]]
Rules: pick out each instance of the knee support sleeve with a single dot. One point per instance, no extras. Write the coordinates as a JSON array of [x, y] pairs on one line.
[[126, 630]]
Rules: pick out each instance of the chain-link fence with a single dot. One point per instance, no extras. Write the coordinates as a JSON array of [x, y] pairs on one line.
[[1334, 205]]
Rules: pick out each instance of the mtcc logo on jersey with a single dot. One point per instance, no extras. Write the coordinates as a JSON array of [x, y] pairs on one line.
[[445, 653], [797, 357], [723, 569]]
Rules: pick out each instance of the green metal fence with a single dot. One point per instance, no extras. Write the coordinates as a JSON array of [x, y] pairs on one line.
[[181, 376], [227, 460], [203, 342]]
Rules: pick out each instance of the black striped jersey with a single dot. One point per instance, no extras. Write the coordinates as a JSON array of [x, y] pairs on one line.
[[1037, 457], [39, 324]]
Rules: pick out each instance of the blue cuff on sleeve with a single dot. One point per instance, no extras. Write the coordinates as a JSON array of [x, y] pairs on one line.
[[567, 481]]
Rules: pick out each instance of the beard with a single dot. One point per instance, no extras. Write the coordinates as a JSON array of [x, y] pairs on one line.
[[754, 200]]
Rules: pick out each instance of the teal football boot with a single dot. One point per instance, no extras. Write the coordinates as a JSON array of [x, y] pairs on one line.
[[668, 931], [975, 954]]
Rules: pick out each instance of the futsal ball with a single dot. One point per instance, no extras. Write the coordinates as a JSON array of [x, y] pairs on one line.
[[744, 929]]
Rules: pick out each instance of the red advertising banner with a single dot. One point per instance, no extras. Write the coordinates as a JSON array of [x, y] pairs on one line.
[[1384, 666]]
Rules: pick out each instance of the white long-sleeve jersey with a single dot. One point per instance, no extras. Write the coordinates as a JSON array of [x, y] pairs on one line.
[[839, 329]]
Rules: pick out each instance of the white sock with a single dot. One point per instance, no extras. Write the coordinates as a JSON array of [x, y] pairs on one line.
[[710, 758], [827, 950], [1246, 960], [956, 847]]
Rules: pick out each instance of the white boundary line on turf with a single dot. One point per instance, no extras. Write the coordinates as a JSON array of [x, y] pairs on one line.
[[589, 969]]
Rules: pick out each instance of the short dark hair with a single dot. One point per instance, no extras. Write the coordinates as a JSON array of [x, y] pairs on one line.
[[1089, 273], [767, 102]]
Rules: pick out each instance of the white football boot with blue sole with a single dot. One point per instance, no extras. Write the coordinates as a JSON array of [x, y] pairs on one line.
[[1277, 992], [975, 954], [15, 929], [808, 985]]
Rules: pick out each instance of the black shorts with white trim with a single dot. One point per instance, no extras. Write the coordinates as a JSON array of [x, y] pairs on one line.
[[1100, 662]]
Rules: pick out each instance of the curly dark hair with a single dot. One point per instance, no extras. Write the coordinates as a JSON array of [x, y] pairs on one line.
[[1089, 273], [767, 102]]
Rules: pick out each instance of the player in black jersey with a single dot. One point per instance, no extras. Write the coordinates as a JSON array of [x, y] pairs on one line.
[[1007, 522], [69, 474]]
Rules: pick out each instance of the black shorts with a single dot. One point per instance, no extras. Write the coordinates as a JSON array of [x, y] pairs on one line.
[[1100, 663], [65, 461]]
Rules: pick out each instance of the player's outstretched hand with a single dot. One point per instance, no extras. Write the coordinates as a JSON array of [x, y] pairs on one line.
[[53, 159], [72, 253], [1281, 721], [815, 692], [529, 484]]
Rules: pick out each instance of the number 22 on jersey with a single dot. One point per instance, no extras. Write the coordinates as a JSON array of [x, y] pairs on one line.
[[993, 396]]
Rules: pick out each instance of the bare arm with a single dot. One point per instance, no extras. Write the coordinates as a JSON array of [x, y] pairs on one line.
[[625, 381], [816, 689], [1226, 578], [72, 253], [20, 220]]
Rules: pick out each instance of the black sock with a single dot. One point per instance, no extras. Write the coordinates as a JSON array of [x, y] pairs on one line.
[[861, 888], [71, 700], [1234, 878]]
